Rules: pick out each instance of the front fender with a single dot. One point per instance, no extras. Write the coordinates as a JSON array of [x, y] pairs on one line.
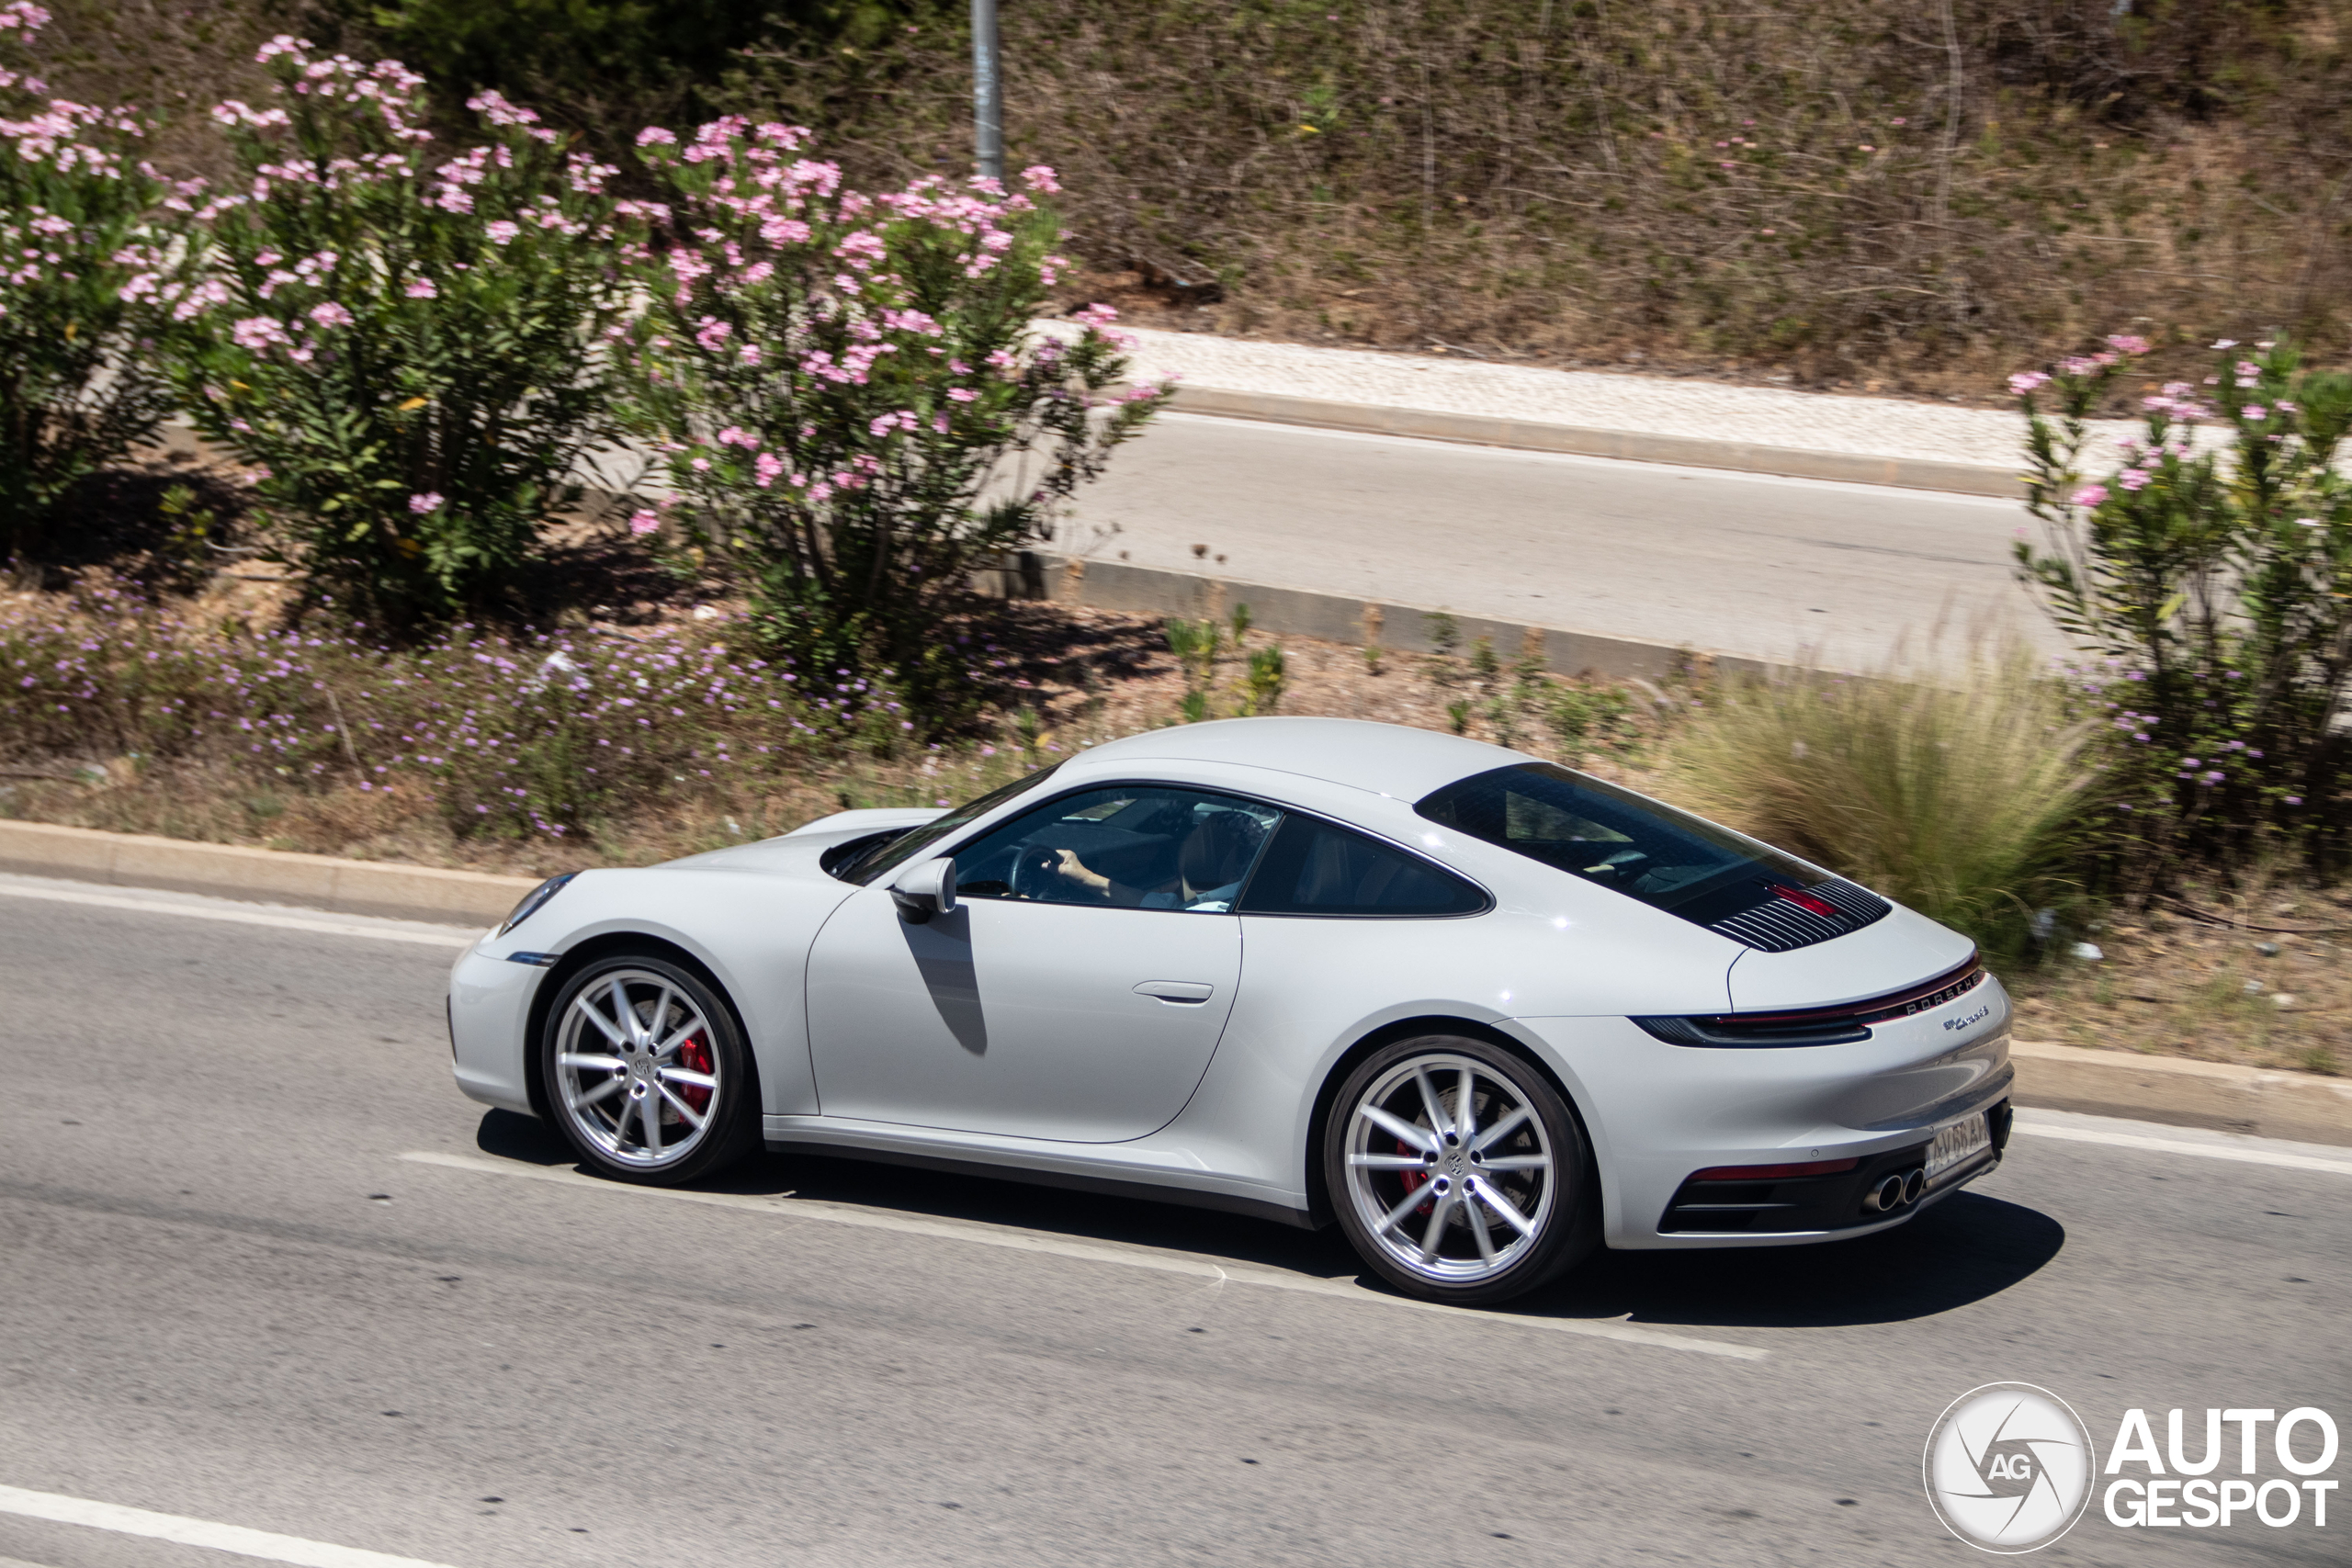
[[752, 928]]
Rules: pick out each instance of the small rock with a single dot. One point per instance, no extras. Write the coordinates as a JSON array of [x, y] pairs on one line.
[[2268, 948], [2087, 951], [2284, 1000], [2254, 988]]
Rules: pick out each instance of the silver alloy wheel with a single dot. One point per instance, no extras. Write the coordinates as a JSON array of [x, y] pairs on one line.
[[636, 1069], [1448, 1168]]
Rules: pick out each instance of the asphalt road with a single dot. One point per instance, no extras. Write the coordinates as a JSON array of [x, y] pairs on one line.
[[228, 1297], [1770, 568]]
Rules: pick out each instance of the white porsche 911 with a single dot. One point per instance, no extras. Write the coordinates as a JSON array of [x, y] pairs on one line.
[[1481, 1010]]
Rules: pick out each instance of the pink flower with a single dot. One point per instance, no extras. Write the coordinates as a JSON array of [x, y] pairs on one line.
[[713, 331], [748, 354], [769, 466], [2130, 479], [962, 394], [2090, 495], [654, 136], [2026, 381], [421, 504], [644, 523], [501, 231], [2255, 411], [2124, 342], [422, 288], [257, 333], [1040, 177], [331, 314]]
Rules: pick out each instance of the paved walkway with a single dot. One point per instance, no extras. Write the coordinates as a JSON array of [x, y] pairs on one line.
[[1649, 405]]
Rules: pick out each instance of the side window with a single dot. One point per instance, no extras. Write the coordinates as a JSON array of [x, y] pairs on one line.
[[1314, 868], [1134, 846]]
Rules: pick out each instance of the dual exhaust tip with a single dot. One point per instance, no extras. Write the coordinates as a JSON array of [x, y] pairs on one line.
[[1896, 1190]]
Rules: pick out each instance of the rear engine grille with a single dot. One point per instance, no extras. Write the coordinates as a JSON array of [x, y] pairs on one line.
[[1791, 918]]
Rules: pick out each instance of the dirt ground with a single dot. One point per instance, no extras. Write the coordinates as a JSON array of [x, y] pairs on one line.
[[2271, 987]]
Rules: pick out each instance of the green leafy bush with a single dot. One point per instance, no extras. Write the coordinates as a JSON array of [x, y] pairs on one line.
[[2210, 581], [846, 387], [410, 347], [82, 257], [1968, 803]]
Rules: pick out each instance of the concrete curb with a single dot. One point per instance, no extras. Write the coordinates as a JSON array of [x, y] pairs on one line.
[[273, 876], [2218, 1096], [1629, 445], [1299, 612], [2303, 1107]]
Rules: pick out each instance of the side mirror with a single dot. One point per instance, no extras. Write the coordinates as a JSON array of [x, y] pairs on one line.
[[925, 890]]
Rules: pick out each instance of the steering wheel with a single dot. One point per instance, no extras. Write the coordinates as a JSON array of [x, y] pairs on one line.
[[1033, 874]]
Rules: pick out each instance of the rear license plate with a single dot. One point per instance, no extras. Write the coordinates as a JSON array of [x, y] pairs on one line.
[[1958, 1143]]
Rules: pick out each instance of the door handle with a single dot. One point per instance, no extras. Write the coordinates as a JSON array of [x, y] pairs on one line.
[[1182, 993]]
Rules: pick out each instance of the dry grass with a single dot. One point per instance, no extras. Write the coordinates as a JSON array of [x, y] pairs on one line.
[[1831, 191]]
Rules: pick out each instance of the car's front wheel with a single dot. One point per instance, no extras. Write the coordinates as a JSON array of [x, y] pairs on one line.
[[1457, 1170], [647, 1073]]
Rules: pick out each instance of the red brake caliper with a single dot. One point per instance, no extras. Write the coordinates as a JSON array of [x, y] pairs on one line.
[[696, 1053], [1412, 1179]]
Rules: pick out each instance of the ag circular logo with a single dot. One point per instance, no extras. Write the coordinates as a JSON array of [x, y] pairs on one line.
[[2008, 1467]]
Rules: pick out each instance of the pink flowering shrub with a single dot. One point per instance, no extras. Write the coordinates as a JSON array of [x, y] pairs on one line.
[[80, 268], [407, 340], [848, 390], [2212, 581]]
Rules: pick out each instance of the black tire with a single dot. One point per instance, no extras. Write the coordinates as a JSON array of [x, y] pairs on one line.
[[1371, 1171], [585, 1103]]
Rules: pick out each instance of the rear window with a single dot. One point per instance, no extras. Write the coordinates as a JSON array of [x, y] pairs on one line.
[[1573, 822]]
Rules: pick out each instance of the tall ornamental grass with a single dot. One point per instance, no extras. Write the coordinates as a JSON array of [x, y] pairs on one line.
[[82, 259], [1966, 803]]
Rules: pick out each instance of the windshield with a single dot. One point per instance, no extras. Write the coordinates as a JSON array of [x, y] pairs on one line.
[[1666, 858], [890, 853]]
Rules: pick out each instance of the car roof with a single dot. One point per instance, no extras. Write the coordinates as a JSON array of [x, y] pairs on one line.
[[1386, 759]]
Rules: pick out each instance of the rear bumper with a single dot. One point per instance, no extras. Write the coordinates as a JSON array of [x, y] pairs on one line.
[[1847, 1201], [1659, 1112]]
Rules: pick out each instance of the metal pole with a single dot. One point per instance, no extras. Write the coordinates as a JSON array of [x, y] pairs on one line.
[[988, 91]]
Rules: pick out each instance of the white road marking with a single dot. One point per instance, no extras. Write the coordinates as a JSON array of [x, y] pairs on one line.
[[183, 1531], [1031, 1241], [283, 916], [2248, 1152]]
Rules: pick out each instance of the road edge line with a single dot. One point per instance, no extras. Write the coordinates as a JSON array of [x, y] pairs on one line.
[[179, 1528]]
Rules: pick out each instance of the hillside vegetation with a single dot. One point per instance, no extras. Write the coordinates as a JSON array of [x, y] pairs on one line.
[[1841, 191]]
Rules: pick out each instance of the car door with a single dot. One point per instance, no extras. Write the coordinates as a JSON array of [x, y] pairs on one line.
[[1075, 992]]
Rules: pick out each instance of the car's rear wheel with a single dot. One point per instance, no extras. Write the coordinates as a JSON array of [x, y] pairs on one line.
[[1457, 1170], [646, 1072]]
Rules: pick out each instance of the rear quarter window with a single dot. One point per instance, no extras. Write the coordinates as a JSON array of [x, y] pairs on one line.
[[1318, 868]]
